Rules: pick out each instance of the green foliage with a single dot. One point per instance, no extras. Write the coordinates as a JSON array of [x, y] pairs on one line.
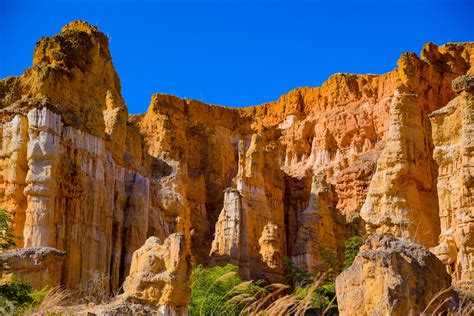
[[6, 233], [16, 298], [16, 292], [294, 275], [38, 296], [219, 291], [323, 297], [352, 246]]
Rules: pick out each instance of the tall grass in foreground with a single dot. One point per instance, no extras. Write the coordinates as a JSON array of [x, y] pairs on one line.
[[448, 302], [55, 297]]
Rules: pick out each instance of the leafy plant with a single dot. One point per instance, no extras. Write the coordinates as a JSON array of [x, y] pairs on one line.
[[351, 246], [7, 237], [219, 291], [17, 297], [315, 295], [295, 275], [17, 292]]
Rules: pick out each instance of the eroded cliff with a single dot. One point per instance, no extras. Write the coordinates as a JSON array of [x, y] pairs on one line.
[[248, 185], [453, 136]]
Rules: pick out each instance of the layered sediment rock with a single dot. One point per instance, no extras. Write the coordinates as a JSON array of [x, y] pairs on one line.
[[159, 275], [250, 229], [14, 166], [70, 185], [316, 227], [39, 267], [402, 197], [392, 276], [77, 197], [80, 174], [453, 136]]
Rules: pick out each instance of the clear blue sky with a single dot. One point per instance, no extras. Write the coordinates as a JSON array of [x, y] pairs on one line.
[[237, 53]]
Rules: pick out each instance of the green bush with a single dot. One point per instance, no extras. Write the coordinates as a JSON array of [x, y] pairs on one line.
[[16, 297], [16, 292], [294, 275], [219, 291], [6, 232], [322, 289], [351, 246]]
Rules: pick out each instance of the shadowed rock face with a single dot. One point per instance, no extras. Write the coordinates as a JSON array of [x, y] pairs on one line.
[[79, 174], [316, 227], [39, 267], [390, 276]]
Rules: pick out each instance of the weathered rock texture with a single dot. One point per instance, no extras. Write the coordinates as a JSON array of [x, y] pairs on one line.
[[453, 136], [65, 179], [250, 227], [80, 174], [402, 195], [39, 267], [159, 275], [316, 227], [391, 276]]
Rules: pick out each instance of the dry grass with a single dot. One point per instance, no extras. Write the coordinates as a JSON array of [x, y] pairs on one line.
[[274, 299], [447, 302], [95, 290], [56, 297]]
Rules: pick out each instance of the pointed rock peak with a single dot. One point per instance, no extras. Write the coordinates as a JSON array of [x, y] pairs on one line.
[[81, 26], [76, 46]]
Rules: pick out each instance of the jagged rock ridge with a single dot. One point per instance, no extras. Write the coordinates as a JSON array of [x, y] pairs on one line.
[[80, 174]]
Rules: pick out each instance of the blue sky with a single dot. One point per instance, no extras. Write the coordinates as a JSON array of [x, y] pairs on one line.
[[237, 53]]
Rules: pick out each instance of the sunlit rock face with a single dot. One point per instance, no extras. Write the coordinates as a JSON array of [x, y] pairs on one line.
[[159, 275], [392, 276], [250, 228], [402, 197], [453, 136], [39, 267], [68, 182], [80, 174], [77, 198]]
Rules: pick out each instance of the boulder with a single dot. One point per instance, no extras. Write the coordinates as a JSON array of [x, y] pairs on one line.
[[39, 267], [159, 275], [391, 276]]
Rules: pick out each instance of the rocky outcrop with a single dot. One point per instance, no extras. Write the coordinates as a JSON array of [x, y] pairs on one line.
[[250, 228], [76, 197], [316, 227], [391, 276], [66, 182], [159, 275], [14, 166], [453, 136], [270, 248], [40, 267], [229, 240], [79, 174], [402, 197]]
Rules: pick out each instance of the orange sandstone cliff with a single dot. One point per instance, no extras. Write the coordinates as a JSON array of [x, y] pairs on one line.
[[358, 155]]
